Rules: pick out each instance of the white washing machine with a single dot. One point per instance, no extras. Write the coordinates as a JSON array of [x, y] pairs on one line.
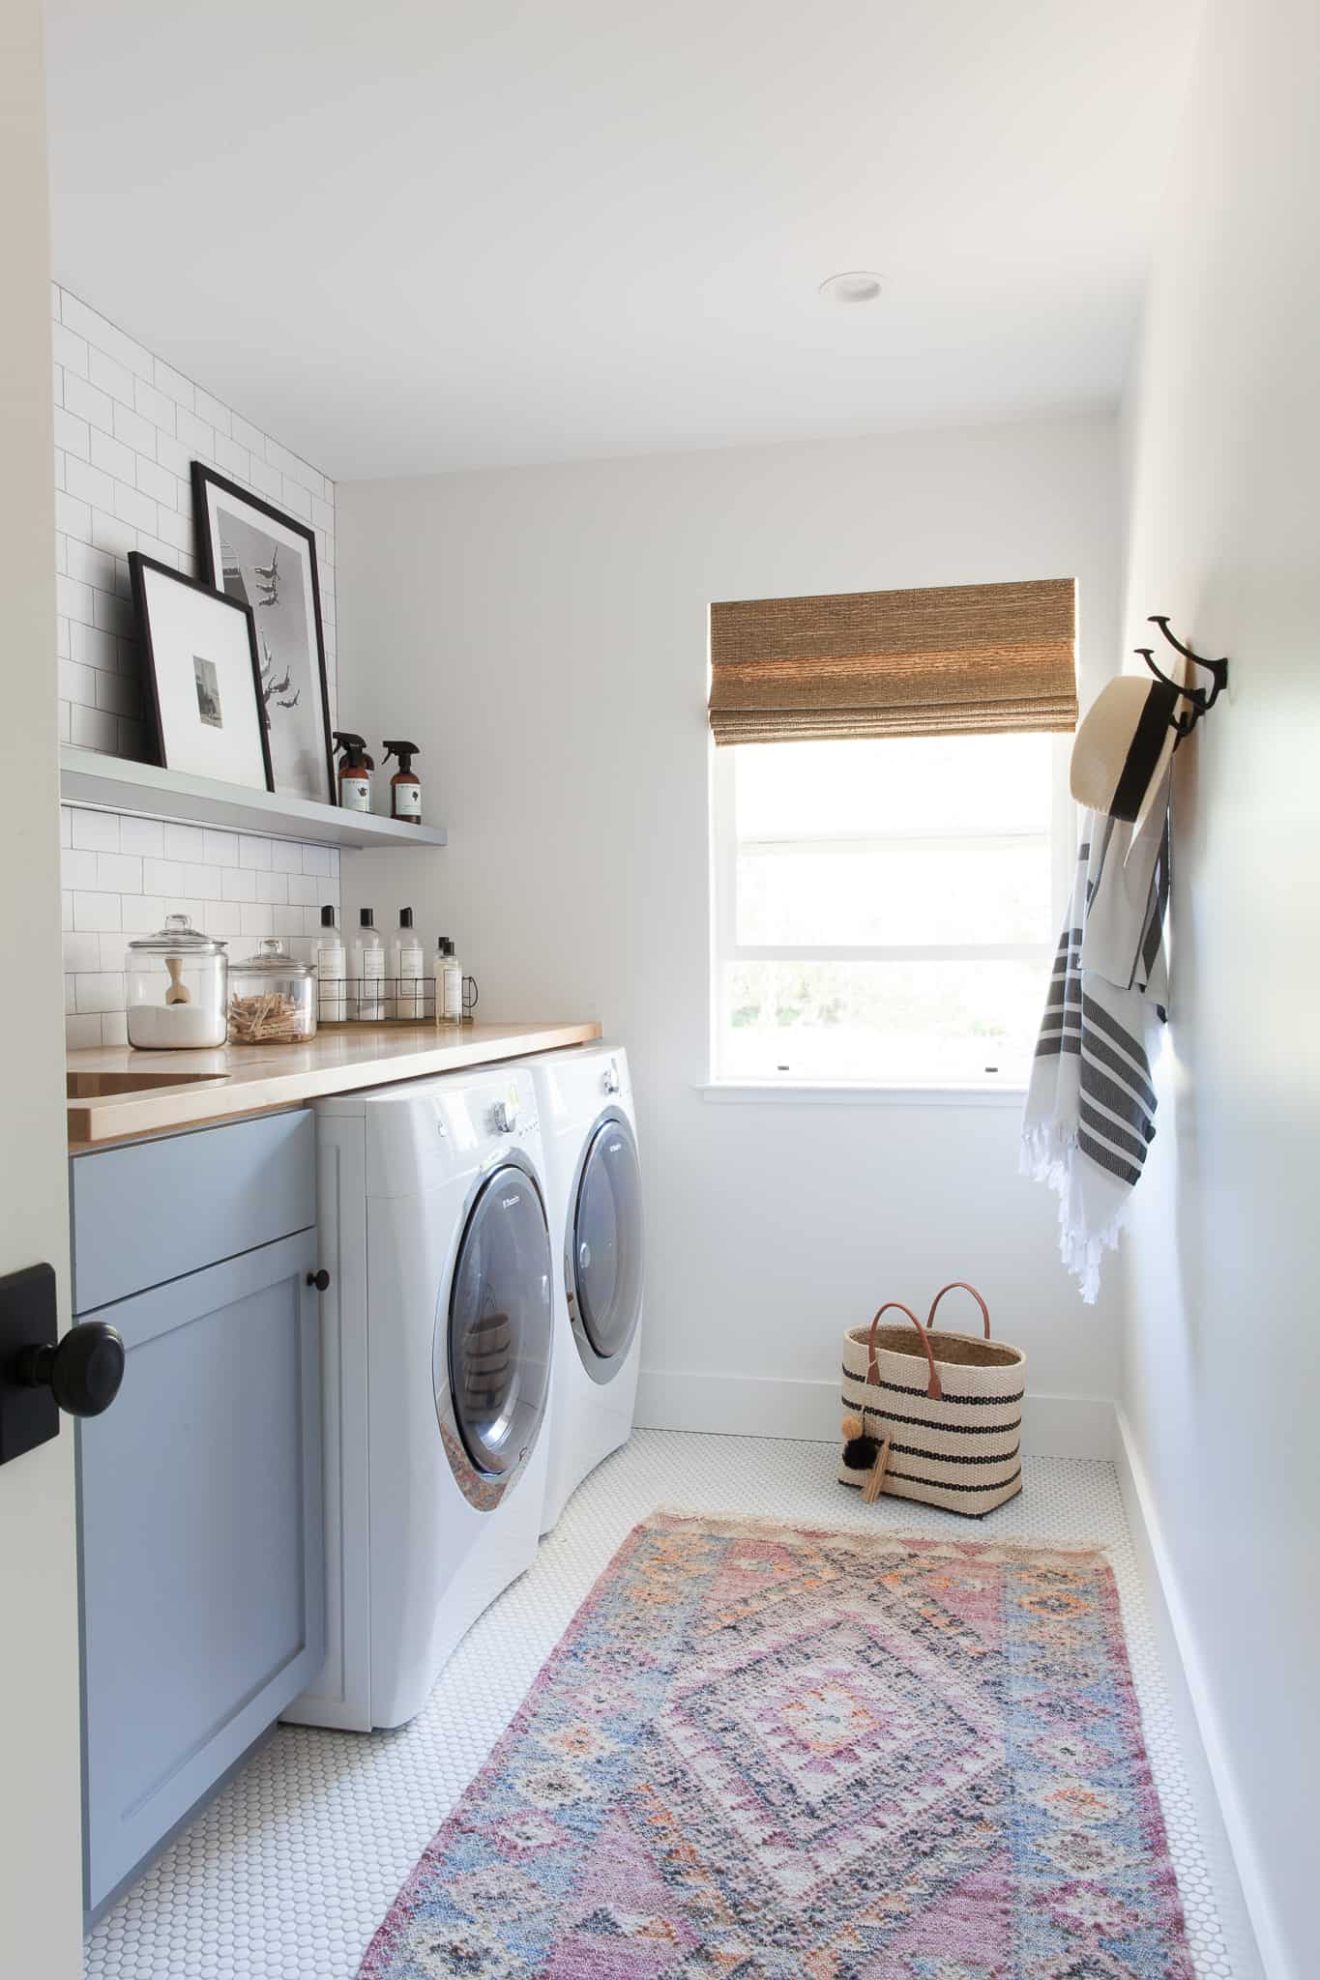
[[588, 1129], [438, 1330]]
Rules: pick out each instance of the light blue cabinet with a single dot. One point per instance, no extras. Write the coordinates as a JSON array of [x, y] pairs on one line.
[[200, 1493]]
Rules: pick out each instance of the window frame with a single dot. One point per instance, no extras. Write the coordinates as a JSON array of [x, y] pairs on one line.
[[725, 948]]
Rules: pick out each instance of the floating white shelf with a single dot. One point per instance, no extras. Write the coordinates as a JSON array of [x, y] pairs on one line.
[[113, 783]]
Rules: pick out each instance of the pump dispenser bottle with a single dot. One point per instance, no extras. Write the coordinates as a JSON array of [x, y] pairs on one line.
[[448, 984], [405, 784], [407, 967], [355, 768], [331, 971], [367, 970]]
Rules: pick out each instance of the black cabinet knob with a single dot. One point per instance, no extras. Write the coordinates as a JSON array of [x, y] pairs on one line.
[[319, 1279], [83, 1371]]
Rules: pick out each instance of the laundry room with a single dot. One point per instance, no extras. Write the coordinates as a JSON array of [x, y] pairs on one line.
[[653, 1319]]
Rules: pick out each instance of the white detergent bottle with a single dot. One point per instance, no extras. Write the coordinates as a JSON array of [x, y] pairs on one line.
[[448, 984], [407, 970], [331, 972], [366, 971]]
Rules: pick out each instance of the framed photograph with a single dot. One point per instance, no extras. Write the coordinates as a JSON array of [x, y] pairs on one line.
[[203, 678], [256, 554]]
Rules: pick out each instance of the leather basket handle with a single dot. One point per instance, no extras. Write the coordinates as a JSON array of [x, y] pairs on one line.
[[933, 1389], [960, 1285]]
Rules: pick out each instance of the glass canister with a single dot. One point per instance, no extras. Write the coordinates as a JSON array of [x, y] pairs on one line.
[[272, 997], [175, 989]]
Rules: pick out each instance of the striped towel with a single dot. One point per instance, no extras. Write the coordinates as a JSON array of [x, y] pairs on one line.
[[1090, 1113]]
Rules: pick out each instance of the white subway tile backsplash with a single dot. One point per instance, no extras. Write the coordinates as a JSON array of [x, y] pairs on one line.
[[129, 428], [95, 831], [74, 435], [89, 566], [159, 483], [71, 350], [134, 430], [103, 336], [110, 532], [131, 506], [90, 484], [184, 841], [93, 912], [111, 376], [144, 837], [81, 952], [78, 684], [89, 402], [99, 990], [118, 873], [93, 646]]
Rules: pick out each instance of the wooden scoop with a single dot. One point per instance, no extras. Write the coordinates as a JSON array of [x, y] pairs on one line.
[[178, 992]]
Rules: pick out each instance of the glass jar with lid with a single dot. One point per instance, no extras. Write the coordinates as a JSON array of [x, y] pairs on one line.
[[272, 997], [175, 989]]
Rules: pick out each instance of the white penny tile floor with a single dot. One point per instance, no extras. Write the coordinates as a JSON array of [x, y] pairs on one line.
[[286, 1875]]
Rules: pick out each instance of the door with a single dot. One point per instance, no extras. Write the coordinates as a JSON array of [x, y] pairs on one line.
[[603, 1265], [493, 1336], [40, 1895]]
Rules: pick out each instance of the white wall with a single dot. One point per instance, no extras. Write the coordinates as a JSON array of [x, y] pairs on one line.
[[542, 634], [1223, 1350], [40, 1800]]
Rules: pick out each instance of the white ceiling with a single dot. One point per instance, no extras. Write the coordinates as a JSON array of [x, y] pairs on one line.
[[453, 233]]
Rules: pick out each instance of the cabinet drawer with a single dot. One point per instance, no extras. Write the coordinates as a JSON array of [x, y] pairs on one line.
[[146, 1214]]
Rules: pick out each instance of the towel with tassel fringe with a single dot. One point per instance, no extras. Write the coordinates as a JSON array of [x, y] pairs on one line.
[[1090, 1112]]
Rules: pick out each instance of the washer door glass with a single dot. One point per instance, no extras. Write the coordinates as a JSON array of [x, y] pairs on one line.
[[500, 1324], [607, 1240]]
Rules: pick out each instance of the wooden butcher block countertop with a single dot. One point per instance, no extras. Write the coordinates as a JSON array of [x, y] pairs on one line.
[[116, 1093]]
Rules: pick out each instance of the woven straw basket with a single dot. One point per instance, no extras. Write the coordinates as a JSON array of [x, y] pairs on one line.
[[944, 1412]]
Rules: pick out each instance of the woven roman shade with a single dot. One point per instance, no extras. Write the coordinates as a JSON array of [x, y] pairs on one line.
[[954, 660]]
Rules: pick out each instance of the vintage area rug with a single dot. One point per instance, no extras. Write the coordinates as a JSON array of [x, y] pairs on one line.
[[763, 1751]]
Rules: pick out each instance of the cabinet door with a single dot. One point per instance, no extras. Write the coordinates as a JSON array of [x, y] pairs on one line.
[[201, 1543]]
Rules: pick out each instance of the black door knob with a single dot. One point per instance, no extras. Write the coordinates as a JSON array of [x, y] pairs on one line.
[[319, 1279], [83, 1371]]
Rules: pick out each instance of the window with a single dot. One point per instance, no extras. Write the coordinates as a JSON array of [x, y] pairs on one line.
[[886, 908]]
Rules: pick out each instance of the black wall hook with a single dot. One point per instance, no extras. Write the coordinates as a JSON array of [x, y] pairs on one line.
[[1200, 698]]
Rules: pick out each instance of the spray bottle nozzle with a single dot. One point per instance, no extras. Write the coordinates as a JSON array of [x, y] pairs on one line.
[[405, 751], [354, 747]]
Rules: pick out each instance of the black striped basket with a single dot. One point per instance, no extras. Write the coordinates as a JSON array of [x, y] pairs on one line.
[[938, 1418]]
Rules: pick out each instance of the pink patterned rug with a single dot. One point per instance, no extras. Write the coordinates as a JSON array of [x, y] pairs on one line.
[[762, 1753]]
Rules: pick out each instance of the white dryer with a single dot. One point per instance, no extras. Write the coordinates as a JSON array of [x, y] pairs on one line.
[[438, 1330], [588, 1129]]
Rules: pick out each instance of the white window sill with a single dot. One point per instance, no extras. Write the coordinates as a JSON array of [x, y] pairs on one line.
[[841, 1093]]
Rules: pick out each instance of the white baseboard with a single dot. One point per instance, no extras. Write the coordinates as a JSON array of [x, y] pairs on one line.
[[765, 1406], [1259, 1946]]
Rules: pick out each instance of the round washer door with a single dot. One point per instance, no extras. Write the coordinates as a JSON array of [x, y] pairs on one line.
[[605, 1247], [491, 1360]]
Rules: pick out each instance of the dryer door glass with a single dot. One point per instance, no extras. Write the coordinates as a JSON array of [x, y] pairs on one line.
[[607, 1240], [500, 1323]]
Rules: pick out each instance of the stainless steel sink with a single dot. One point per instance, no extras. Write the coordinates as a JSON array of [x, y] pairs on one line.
[[101, 1085]]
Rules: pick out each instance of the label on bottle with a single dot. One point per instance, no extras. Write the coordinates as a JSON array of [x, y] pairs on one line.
[[355, 793], [407, 800], [408, 1002], [331, 993], [453, 993], [371, 989]]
